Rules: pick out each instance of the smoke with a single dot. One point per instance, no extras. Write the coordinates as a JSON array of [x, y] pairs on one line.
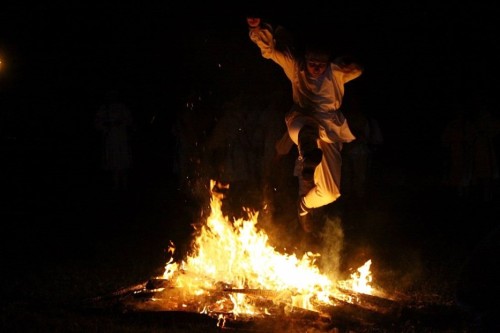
[[332, 236]]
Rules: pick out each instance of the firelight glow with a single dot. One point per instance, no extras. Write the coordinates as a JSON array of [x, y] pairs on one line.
[[236, 258]]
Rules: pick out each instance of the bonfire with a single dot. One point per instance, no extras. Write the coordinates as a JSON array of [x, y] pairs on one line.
[[232, 270]]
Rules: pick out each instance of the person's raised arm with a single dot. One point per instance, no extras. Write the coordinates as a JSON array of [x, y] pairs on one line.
[[264, 36], [349, 67]]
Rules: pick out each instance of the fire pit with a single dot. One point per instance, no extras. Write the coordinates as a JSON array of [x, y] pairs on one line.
[[234, 279], [157, 300]]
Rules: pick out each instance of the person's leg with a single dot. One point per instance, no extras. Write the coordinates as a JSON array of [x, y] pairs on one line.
[[309, 150], [325, 188], [326, 177], [304, 132], [318, 168]]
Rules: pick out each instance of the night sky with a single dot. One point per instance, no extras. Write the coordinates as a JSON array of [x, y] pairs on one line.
[[421, 60]]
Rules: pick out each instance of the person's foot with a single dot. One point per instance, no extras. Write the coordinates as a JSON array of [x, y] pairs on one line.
[[310, 161], [306, 223], [305, 217]]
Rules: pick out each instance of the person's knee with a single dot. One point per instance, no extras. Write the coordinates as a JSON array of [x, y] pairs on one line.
[[328, 195], [308, 141], [309, 132]]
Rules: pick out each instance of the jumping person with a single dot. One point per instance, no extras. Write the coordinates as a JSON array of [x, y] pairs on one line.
[[315, 122]]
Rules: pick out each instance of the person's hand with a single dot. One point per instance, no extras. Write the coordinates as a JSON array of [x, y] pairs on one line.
[[253, 22]]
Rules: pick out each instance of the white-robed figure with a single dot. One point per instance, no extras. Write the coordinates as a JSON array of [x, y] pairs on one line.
[[114, 120], [315, 123]]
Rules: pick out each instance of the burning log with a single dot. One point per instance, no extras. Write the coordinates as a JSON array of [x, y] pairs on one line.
[[162, 289], [158, 284], [157, 300], [117, 295], [257, 292], [345, 314], [373, 303], [363, 309]]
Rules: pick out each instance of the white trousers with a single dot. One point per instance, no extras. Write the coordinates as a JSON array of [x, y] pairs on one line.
[[326, 186]]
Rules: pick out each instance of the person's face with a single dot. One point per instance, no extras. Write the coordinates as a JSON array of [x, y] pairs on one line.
[[316, 62], [316, 68]]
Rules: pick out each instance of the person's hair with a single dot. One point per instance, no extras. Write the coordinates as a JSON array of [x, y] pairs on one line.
[[315, 47], [317, 50]]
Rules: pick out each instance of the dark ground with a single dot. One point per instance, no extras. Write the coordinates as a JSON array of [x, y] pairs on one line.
[[68, 238]]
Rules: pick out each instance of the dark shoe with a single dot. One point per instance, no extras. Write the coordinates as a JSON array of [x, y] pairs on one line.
[[310, 161], [307, 223], [305, 218]]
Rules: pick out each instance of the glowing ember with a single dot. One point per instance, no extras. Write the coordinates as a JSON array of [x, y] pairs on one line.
[[232, 268]]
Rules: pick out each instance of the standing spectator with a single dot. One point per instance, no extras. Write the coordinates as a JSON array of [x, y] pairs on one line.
[[375, 140], [114, 120], [356, 154], [189, 130], [231, 148], [457, 140], [485, 170]]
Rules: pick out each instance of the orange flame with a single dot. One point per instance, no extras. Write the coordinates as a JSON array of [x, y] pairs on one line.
[[236, 258]]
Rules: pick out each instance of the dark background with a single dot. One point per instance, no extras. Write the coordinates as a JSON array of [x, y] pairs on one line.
[[59, 58], [422, 61]]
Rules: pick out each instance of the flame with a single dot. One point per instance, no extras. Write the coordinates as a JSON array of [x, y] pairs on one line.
[[236, 260], [360, 281]]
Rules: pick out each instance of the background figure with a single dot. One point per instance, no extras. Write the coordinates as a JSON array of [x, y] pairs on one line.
[[114, 120], [375, 140], [190, 130], [231, 151], [355, 154], [458, 143], [485, 160], [276, 161]]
